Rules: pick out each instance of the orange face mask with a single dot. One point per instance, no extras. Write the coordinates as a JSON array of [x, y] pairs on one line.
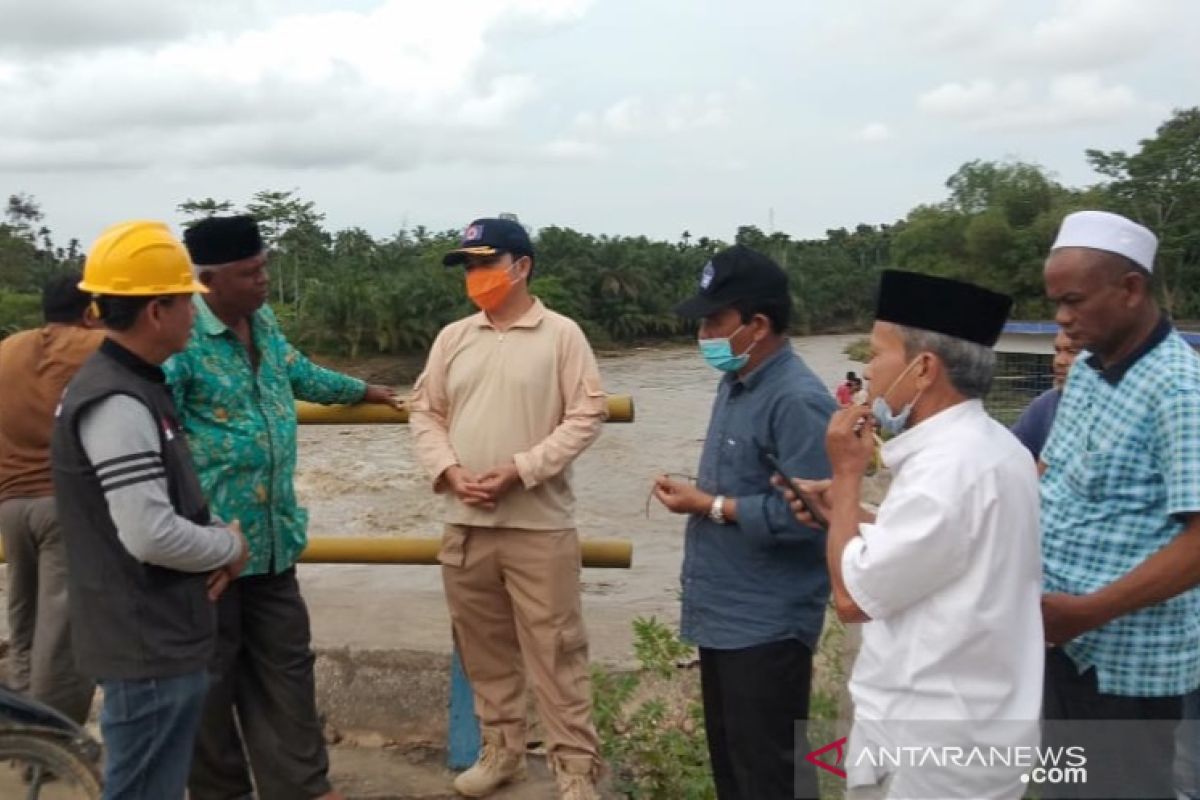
[[488, 287]]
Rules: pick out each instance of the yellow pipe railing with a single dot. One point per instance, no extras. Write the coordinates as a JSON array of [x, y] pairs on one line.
[[620, 409], [603, 553], [608, 553]]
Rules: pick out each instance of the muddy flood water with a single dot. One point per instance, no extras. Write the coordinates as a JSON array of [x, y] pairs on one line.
[[363, 481]]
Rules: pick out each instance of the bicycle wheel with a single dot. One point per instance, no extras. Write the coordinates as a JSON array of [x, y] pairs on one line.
[[41, 767]]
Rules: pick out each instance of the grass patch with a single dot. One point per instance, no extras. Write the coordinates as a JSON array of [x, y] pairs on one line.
[[859, 350]]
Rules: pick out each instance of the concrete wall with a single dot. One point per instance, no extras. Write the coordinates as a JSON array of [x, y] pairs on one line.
[[402, 695]]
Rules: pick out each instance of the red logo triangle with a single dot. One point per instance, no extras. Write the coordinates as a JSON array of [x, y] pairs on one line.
[[832, 765]]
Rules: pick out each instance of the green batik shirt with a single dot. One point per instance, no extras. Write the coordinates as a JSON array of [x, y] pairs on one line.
[[241, 427]]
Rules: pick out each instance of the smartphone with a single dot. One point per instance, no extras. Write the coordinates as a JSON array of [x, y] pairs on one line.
[[809, 506]]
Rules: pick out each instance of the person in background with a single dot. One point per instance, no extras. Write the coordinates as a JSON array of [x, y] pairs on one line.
[[754, 581], [1033, 426], [235, 385], [40, 362], [860, 393], [845, 390], [146, 557]]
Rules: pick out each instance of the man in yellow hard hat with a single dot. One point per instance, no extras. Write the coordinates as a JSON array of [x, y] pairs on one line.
[[145, 557]]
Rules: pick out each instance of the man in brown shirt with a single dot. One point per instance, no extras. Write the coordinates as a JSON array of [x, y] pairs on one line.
[[508, 399], [35, 366]]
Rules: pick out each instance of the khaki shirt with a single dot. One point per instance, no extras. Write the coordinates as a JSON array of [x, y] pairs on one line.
[[529, 395], [35, 367]]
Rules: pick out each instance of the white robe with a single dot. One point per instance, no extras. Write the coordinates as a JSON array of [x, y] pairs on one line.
[[950, 574]]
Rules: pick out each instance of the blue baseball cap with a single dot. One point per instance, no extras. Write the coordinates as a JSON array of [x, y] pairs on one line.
[[489, 236]]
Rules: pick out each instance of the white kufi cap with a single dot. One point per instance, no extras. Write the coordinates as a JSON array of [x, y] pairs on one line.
[[1101, 230]]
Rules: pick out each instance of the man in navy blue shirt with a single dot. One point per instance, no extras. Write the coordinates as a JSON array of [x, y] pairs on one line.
[[755, 585], [1033, 426]]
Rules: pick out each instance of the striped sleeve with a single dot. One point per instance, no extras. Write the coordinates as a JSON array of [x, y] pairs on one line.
[[121, 440], [117, 473]]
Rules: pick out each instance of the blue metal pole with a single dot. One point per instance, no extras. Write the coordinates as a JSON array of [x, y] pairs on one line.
[[464, 727]]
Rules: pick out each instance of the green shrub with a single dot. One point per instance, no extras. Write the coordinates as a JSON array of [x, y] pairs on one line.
[[859, 350], [651, 722], [18, 312]]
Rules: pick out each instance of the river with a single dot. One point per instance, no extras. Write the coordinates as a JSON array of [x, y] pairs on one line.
[[363, 481]]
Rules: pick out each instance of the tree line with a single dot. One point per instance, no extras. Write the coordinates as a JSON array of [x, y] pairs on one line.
[[346, 291]]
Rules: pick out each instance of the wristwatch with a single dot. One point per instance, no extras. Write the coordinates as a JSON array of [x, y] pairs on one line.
[[717, 511]]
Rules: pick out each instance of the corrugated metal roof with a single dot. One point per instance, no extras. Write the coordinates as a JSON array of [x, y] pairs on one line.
[[1041, 328]]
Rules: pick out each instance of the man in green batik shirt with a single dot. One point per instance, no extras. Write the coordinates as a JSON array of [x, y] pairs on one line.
[[235, 387]]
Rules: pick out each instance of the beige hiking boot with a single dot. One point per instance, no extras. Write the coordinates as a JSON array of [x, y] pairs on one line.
[[496, 766], [576, 777]]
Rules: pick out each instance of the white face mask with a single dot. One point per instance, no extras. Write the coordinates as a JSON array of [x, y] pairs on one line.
[[889, 422]]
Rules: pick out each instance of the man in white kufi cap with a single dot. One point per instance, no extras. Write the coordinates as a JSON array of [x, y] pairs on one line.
[[1120, 513]]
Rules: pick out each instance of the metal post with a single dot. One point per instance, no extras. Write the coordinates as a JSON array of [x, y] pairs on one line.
[[464, 744]]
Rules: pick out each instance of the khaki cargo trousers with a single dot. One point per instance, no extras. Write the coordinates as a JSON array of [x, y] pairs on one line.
[[514, 605]]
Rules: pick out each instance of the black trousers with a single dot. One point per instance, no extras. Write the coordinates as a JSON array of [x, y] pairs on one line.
[[263, 668], [1130, 745], [754, 699]]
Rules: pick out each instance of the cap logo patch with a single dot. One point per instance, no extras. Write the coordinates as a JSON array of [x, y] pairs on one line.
[[706, 276], [473, 233]]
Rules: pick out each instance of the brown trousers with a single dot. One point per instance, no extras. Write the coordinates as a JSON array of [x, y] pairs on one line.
[[515, 606], [41, 662]]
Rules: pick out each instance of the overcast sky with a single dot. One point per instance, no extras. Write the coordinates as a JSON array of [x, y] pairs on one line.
[[612, 116]]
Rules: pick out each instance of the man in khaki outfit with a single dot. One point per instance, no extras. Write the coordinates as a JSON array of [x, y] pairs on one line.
[[508, 399]]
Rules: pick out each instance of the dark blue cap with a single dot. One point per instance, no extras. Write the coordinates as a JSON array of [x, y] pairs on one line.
[[487, 237], [735, 275]]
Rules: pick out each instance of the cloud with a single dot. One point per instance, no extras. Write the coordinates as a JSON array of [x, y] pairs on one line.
[[37, 31], [975, 100], [573, 150], [874, 132], [308, 90], [1093, 34], [54, 25], [1068, 100], [637, 116], [1063, 35], [624, 117]]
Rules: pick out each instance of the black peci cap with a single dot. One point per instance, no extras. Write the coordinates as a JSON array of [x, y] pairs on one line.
[[954, 308], [223, 240]]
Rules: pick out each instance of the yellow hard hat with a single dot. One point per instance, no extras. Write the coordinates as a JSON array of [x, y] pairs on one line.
[[139, 259]]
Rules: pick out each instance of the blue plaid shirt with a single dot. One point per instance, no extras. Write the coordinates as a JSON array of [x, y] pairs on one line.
[[1123, 472]]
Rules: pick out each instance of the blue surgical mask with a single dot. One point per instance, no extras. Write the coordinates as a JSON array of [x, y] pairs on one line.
[[718, 352], [889, 422]]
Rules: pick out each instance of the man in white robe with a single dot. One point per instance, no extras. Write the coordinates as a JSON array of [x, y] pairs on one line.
[[947, 577]]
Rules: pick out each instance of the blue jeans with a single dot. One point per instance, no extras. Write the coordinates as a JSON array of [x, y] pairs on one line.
[[1187, 748], [149, 728]]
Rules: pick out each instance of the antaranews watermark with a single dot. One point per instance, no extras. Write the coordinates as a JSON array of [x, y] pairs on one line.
[[930, 758]]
